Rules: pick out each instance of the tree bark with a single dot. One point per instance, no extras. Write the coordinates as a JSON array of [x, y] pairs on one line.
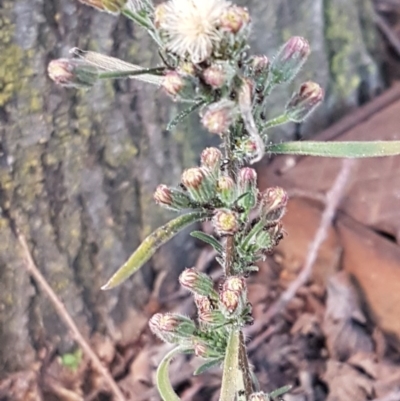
[[78, 169]]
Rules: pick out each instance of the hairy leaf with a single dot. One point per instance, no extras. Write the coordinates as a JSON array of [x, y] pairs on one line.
[[207, 365], [351, 149], [163, 383], [210, 240], [230, 375], [149, 246]]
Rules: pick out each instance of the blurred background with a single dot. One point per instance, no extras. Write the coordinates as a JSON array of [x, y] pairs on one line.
[[77, 174]]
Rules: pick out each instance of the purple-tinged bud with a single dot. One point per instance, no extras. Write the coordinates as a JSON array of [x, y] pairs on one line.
[[212, 317], [225, 222], [290, 58], [218, 117], [234, 19], [247, 184], [211, 158], [235, 283], [230, 302], [171, 198], [304, 102], [260, 396], [173, 83], [203, 350], [273, 204], [260, 65], [72, 73], [218, 74], [226, 190], [172, 327], [196, 282], [203, 303], [200, 183]]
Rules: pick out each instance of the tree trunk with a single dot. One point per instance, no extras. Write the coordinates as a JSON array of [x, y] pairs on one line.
[[78, 169]]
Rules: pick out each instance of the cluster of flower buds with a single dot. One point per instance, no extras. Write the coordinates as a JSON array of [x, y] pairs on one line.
[[233, 297], [261, 238]]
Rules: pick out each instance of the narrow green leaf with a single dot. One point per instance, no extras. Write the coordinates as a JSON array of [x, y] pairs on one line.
[[231, 372], [149, 246], [183, 114], [163, 383], [280, 391], [208, 239], [352, 149], [207, 365]]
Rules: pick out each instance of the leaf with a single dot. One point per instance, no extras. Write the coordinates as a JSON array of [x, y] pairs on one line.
[[231, 371], [149, 246], [183, 114], [280, 391], [208, 239], [163, 383], [207, 365], [351, 149]]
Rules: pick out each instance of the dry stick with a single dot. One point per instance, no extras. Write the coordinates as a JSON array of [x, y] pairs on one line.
[[66, 317], [333, 198]]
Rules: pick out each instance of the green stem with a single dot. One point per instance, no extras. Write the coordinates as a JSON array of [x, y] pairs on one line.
[[130, 73], [282, 119]]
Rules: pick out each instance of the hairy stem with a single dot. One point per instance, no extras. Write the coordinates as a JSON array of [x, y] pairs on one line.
[[228, 268]]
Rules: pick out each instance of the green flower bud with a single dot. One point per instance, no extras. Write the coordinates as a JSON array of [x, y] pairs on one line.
[[235, 283], [215, 76], [226, 190], [196, 282], [211, 159], [247, 183], [304, 102], [290, 58], [72, 73], [213, 318], [230, 302], [203, 303], [172, 328], [200, 183], [225, 222], [204, 351], [171, 198], [178, 85]]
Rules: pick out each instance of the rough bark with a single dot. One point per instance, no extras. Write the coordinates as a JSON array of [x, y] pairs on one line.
[[78, 169]]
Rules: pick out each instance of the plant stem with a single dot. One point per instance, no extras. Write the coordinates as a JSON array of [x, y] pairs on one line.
[[229, 262]]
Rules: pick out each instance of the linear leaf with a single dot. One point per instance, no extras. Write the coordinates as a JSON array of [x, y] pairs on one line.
[[149, 246], [231, 368], [163, 383], [352, 149], [208, 239], [207, 365]]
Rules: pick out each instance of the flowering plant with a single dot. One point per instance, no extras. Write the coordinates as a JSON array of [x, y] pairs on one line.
[[207, 65]]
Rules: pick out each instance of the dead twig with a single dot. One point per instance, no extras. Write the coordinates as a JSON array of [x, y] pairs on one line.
[[66, 317]]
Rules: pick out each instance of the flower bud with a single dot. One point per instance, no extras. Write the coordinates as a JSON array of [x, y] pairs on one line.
[[204, 350], [230, 302], [303, 103], [171, 198], [235, 283], [234, 19], [173, 83], [212, 318], [226, 190], [218, 74], [72, 73], [260, 65], [203, 303], [218, 117], [290, 58], [196, 282], [172, 327], [273, 204], [247, 183], [225, 222], [211, 158], [200, 183]]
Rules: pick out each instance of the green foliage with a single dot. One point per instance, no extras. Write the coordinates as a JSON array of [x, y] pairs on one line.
[[72, 360]]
